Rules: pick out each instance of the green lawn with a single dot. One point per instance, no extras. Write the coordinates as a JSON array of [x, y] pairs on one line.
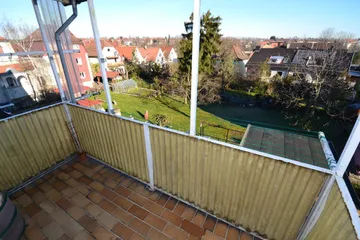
[[177, 113]]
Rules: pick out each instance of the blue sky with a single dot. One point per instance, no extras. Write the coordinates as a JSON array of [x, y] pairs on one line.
[[241, 18]]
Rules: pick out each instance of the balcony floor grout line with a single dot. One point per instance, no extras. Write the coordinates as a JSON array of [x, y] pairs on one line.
[[177, 198]]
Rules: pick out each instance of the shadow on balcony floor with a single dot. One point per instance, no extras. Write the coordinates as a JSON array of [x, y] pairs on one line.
[[85, 199]]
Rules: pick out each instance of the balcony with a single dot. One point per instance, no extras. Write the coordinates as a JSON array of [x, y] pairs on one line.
[[134, 180]]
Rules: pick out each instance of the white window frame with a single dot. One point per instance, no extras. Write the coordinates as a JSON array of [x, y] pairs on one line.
[[78, 61], [82, 75]]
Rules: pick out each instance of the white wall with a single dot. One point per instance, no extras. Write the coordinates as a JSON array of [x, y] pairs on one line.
[[7, 48]]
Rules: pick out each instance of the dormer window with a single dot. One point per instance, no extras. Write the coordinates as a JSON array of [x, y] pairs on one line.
[[276, 59]]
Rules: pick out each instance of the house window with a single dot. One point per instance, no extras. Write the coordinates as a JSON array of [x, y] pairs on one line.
[[78, 61], [276, 59], [108, 49], [11, 82], [82, 74]]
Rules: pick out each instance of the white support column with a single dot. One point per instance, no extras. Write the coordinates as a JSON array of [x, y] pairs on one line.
[[195, 66], [149, 156], [349, 150], [48, 50], [100, 55]]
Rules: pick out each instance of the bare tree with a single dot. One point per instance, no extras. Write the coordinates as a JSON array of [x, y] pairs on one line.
[[319, 83], [20, 35]]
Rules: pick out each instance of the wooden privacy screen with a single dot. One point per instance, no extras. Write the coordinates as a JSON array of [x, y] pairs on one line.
[[261, 194], [117, 142], [32, 143], [335, 221]]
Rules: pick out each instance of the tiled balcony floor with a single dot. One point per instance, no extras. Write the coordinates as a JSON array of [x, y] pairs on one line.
[[87, 200]]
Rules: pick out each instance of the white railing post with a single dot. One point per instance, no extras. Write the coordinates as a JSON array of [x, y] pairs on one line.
[[349, 150], [149, 156], [100, 55], [317, 209], [195, 66]]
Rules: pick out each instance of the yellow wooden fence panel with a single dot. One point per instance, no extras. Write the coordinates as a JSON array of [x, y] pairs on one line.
[[258, 193], [335, 221], [118, 142], [32, 143]]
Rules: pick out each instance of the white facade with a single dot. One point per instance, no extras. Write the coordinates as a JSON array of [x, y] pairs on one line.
[[160, 58], [7, 48], [172, 56]]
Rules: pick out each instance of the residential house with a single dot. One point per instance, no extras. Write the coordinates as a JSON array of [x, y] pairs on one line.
[[272, 44], [240, 59], [83, 78], [315, 45], [169, 53], [153, 54], [278, 59], [127, 54], [6, 47], [108, 50]]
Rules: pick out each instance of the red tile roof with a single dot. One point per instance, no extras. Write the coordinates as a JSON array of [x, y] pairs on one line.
[[18, 67], [89, 103], [109, 74], [125, 52], [90, 46], [166, 50], [149, 53]]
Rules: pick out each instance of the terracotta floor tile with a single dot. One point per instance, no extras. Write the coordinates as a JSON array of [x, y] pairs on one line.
[[154, 196], [68, 192], [63, 176], [45, 187], [122, 215], [83, 235], [199, 218], [111, 183], [154, 234], [84, 190], [32, 209], [93, 209], [179, 208], [221, 229], [162, 199], [175, 232], [107, 220], [192, 228], [210, 223], [123, 202], [171, 203], [88, 172], [245, 236], [76, 212], [109, 194], [139, 212], [87, 222], [53, 195], [42, 219], [107, 205], [139, 226], [96, 186], [80, 200], [34, 233], [233, 234], [64, 203], [155, 221], [72, 228], [172, 217], [53, 231], [137, 198], [49, 206], [136, 236], [101, 233], [85, 180], [98, 178], [123, 191], [39, 197], [154, 207], [31, 191], [78, 166], [60, 217], [210, 236], [95, 197], [72, 182], [126, 181], [146, 193], [59, 185], [76, 174], [122, 231], [23, 200], [189, 213]]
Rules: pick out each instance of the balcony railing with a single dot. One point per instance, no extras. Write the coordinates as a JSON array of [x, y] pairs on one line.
[[275, 197]]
